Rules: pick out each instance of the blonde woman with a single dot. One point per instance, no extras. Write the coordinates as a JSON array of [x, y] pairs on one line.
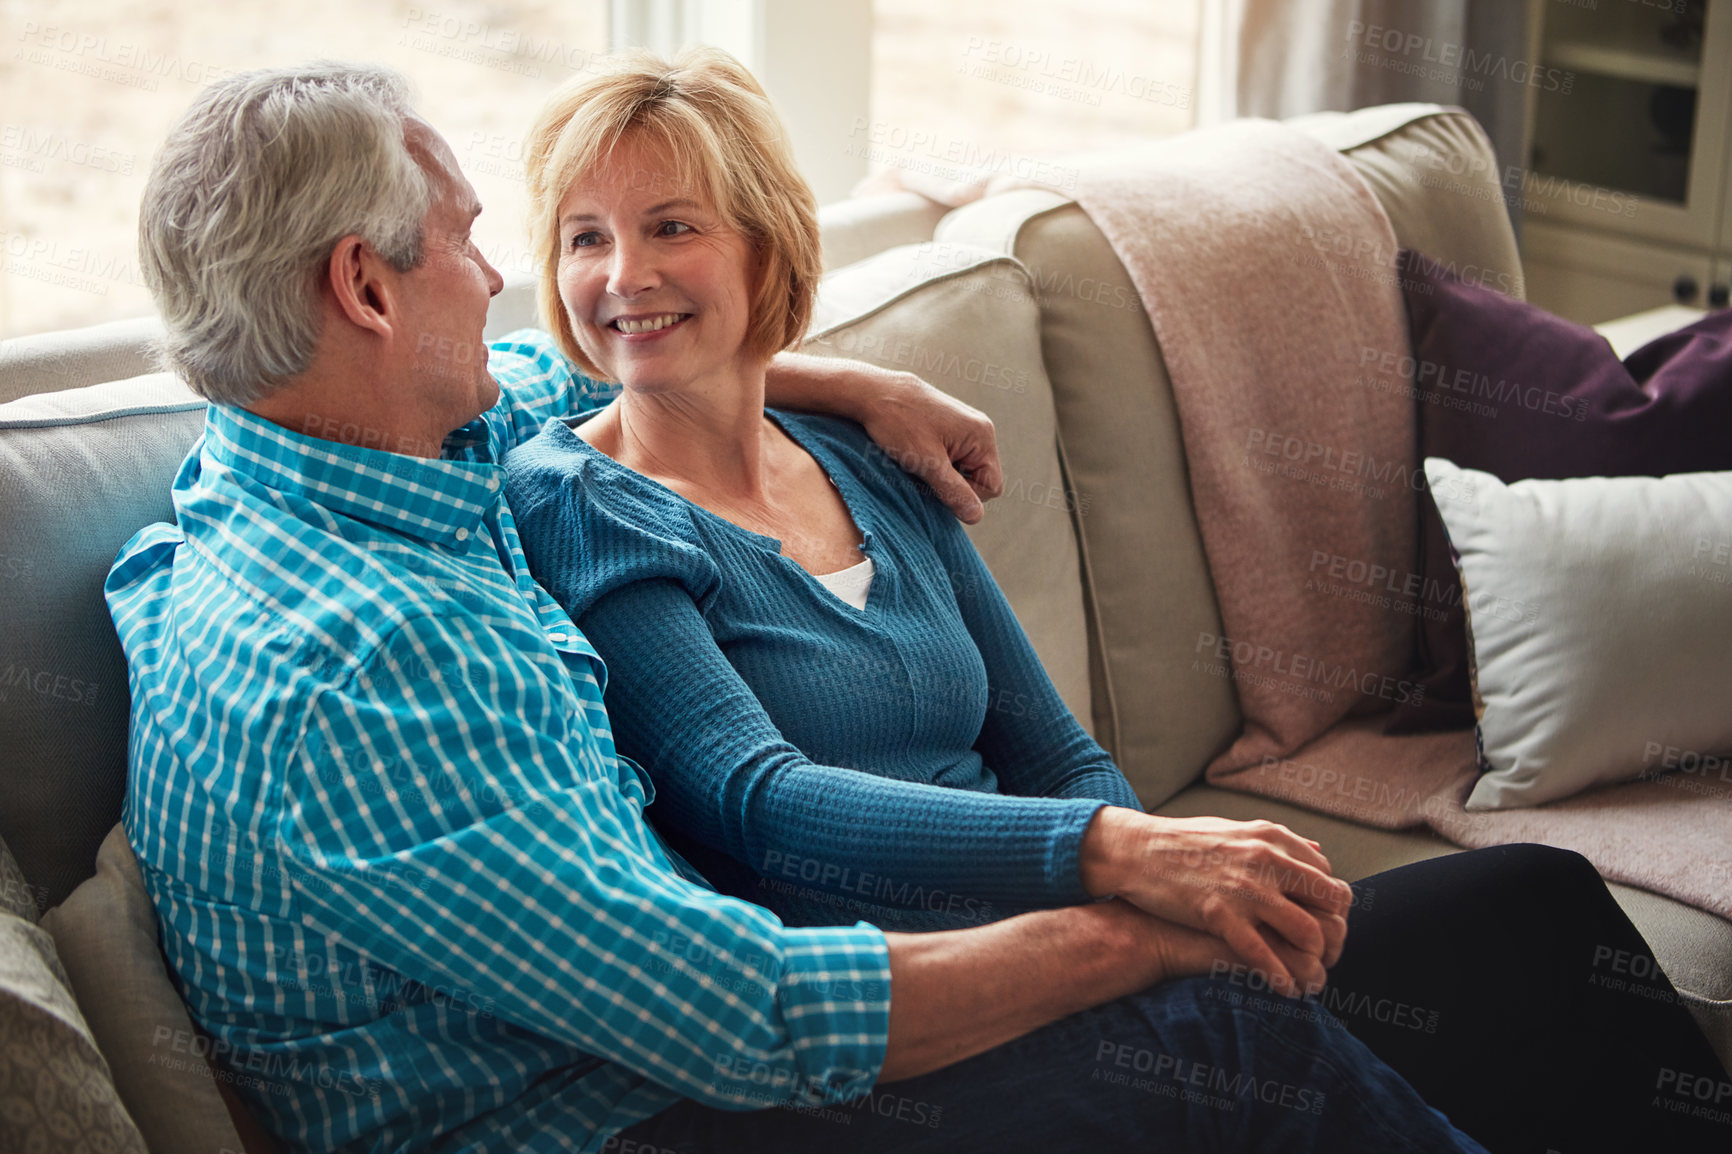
[[804, 652]]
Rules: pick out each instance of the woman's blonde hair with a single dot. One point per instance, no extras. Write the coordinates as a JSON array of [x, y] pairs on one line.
[[712, 121]]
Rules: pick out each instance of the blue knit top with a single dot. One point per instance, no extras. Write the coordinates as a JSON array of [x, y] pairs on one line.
[[909, 764]]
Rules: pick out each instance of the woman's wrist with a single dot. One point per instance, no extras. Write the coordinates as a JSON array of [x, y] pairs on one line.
[[1110, 847]]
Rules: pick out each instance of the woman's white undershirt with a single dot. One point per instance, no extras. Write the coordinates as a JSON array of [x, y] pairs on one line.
[[851, 584]]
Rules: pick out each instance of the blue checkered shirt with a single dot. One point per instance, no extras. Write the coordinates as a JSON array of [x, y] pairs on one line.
[[404, 880]]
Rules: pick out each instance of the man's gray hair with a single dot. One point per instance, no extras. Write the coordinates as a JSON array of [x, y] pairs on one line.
[[253, 188]]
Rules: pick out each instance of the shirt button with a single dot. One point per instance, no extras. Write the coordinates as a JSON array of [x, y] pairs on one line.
[[556, 637], [463, 534]]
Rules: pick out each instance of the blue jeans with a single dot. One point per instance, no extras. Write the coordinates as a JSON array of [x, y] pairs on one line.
[[1195, 1066]]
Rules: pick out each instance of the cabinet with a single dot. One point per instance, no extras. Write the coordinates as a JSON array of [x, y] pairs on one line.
[[1626, 196]]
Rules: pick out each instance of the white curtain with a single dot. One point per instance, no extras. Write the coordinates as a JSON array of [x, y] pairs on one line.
[[1280, 58]]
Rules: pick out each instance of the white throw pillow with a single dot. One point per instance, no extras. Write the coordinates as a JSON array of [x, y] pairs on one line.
[[1600, 615]]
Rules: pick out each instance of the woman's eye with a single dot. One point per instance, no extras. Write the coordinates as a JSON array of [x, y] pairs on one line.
[[584, 240], [673, 228]]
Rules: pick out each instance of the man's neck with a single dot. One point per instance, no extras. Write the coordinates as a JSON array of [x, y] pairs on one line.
[[351, 408]]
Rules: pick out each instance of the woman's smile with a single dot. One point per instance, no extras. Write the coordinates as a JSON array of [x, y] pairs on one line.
[[646, 327]]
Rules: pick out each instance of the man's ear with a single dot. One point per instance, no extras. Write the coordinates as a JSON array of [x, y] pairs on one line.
[[363, 285]]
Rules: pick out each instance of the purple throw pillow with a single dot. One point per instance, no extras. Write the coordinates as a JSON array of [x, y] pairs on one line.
[[1514, 391]]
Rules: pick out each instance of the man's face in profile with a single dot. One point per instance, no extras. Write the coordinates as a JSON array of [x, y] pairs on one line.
[[445, 297]]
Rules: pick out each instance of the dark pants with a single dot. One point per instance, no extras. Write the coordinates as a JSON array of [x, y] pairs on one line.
[[1510, 989], [1190, 1066]]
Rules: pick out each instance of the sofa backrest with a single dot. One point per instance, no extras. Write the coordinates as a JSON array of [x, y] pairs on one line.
[[49, 362], [118, 350], [853, 230], [52, 362], [81, 471], [1151, 601]]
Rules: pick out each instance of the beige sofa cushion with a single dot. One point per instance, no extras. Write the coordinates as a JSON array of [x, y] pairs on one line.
[[107, 938], [1434, 171], [1694, 947], [81, 471], [51, 362], [965, 319], [865, 226], [1149, 583]]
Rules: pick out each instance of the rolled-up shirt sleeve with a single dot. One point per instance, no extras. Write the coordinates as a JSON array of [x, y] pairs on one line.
[[466, 827]]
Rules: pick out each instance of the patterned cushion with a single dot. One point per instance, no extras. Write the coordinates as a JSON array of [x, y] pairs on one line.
[[17, 896], [56, 1093]]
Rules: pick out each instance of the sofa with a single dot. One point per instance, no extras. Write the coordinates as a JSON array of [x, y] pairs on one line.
[[1015, 303]]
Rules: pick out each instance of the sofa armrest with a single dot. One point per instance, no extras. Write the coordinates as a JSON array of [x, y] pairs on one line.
[[74, 358], [866, 226]]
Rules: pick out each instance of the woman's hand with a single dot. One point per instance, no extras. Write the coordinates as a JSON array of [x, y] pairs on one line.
[[1258, 886], [949, 445]]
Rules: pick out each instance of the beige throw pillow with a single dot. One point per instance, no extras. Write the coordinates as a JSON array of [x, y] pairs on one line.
[[107, 933]]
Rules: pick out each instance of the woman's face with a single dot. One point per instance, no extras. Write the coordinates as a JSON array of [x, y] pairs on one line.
[[656, 285]]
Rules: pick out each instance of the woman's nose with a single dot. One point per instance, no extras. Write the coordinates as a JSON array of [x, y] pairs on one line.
[[631, 269]]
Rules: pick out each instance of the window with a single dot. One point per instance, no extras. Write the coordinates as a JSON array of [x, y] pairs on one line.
[[1007, 84], [88, 89]]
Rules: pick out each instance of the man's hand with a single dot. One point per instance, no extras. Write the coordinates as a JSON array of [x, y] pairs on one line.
[[949, 445], [957, 993], [1186, 953], [1257, 886]]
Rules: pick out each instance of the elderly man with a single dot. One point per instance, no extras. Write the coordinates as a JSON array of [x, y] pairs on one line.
[[400, 868]]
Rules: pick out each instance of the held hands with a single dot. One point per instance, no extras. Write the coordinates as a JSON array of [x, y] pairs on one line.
[[1185, 953], [1261, 889], [1159, 950]]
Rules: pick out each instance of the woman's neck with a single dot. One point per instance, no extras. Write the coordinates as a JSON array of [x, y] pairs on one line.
[[712, 439]]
